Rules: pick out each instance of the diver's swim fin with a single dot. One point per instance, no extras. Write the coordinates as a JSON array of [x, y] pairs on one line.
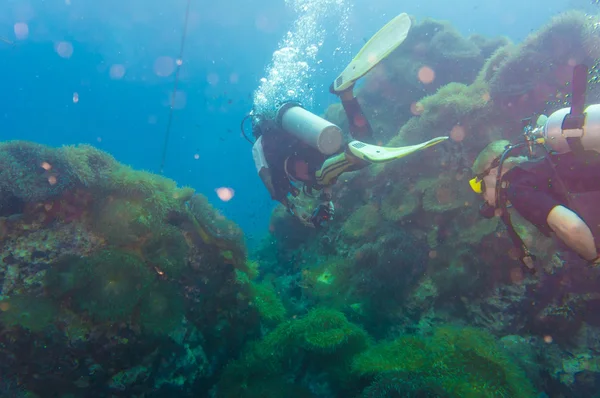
[[376, 49], [379, 154]]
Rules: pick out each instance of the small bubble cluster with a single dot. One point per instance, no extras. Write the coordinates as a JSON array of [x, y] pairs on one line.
[[296, 59]]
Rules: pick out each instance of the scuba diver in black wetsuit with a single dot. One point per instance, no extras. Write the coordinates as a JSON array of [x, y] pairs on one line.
[[558, 193], [296, 151]]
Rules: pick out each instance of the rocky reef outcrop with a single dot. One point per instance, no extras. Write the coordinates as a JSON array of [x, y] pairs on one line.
[[113, 281]]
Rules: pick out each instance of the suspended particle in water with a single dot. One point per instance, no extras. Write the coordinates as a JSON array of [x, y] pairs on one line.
[[196, 156], [75, 98], [46, 166]]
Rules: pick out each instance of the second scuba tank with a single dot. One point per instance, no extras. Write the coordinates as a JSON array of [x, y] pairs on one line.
[[555, 137], [310, 128]]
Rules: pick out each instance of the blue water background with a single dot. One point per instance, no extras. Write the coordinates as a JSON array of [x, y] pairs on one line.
[[228, 45]]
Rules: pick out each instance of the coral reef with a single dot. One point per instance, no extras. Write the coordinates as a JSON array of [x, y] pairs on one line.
[[117, 282], [109, 278], [452, 363]]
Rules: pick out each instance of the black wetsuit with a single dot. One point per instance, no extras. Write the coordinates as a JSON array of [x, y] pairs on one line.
[[278, 146], [534, 189]]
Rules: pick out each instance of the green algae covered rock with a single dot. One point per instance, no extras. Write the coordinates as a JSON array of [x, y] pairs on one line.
[[461, 362], [323, 339], [118, 268]]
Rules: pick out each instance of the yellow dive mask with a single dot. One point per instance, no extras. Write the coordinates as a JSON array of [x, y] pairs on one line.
[[476, 184]]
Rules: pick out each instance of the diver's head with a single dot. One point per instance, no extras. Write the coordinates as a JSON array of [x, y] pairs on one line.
[[486, 168]]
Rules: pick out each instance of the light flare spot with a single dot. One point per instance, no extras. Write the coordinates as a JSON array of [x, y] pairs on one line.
[[52, 180], [444, 195], [516, 276], [513, 253], [212, 79], [64, 49], [548, 339], [117, 71], [458, 133], [265, 24], [417, 108], [225, 194], [21, 30], [360, 121], [46, 166], [164, 66], [75, 98], [426, 75]]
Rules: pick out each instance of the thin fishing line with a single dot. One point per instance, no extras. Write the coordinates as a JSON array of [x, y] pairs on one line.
[[179, 63]]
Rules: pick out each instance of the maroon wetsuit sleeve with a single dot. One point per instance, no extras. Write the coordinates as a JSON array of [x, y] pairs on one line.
[[360, 128]]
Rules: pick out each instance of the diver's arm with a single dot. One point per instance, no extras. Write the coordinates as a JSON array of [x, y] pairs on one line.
[[264, 172], [360, 128], [573, 231]]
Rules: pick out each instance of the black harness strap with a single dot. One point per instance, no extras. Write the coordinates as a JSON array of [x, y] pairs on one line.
[[575, 120], [525, 256]]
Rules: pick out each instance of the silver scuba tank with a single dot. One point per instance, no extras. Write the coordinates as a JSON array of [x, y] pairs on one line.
[[555, 136], [310, 128]]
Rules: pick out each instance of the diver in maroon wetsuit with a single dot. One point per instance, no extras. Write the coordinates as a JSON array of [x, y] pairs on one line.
[[559, 193]]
